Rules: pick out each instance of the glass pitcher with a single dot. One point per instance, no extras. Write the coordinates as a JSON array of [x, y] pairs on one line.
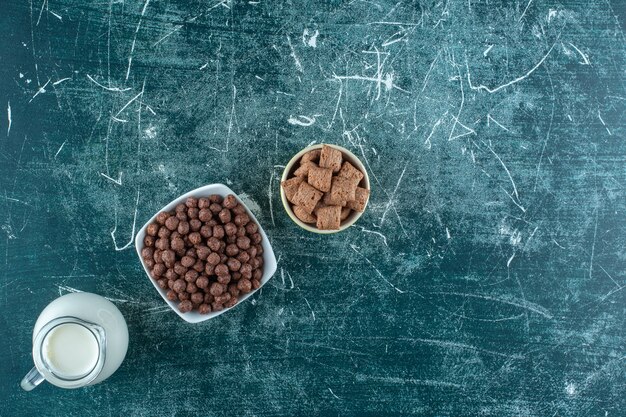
[[79, 339]]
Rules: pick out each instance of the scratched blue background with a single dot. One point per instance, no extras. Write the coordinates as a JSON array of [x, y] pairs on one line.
[[486, 277]]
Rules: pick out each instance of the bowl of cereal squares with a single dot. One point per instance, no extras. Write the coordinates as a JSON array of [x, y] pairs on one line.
[[205, 253], [325, 188]]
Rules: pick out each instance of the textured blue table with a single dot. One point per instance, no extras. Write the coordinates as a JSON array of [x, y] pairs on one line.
[[486, 278]]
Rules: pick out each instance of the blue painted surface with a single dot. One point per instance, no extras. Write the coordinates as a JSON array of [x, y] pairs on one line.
[[485, 278]]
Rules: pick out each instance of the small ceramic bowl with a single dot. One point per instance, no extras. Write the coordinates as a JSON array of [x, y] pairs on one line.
[[269, 260], [348, 156]]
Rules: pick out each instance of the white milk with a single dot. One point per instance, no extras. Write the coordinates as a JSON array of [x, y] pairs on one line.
[[71, 350]]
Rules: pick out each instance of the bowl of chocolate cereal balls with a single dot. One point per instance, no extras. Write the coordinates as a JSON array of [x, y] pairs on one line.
[[205, 253], [325, 188]]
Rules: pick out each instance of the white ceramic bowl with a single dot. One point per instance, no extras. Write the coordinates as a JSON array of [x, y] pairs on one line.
[[269, 260], [348, 156]]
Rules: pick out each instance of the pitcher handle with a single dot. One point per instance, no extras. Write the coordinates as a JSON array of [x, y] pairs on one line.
[[31, 380]]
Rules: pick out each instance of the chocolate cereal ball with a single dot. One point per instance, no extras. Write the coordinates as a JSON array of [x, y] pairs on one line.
[[178, 244], [224, 216], [243, 257], [233, 264], [244, 285], [195, 225], [195, 238], [205, 215], [161, 217], [214, 244], [185, 306], [205, 253], [191, 202], [257, 274], [191, 275], [172, 223], [171, 275], [202, 282], [216, 289], [179, 285], [158, 270], [233, 290], [183, 227], [213, 258], [223, 279], [230, 201], [197, 298], [179, 268], [162, 244], [243, 242], [242, 219], [206, 231], [147, 253], [149, 241], [218, 232], [252, 228], [187, 261], [198, 266], [221, 269], [193, 213], [152, 229], [168, 257], [230, 229], [164, 232], [256, 238], [215, 208], [203, 203], [232, 250], [246, 269]]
